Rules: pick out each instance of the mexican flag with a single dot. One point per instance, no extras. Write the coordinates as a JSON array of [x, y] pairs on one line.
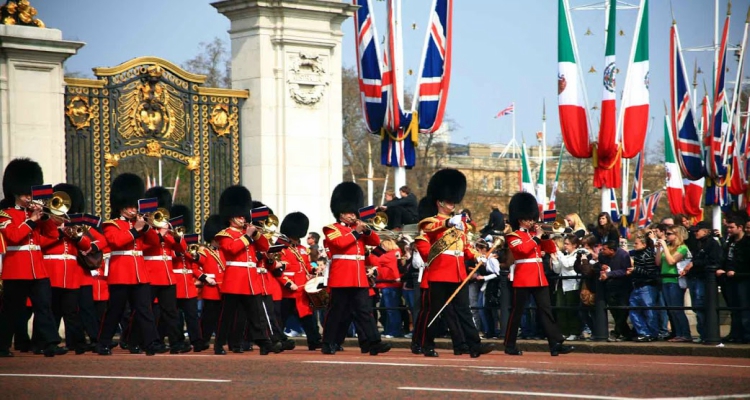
[[571, 107], [541, 184], [635, 98], [553, 194], [526, 184], [675, 189], [607, 147]]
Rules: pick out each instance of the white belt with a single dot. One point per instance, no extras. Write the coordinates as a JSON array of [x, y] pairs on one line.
[[210, 275], [127, 253], [528, 260], [59, 257], [157, 258], [455, 253], [289, 273], [24, 247], [243, 264], [182, 271], [348, 257]]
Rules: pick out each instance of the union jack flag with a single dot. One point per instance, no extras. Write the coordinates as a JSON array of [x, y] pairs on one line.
[[719, 125], [687, 141], [435, 71], [649, 205], [614, 211], [506, 110], [635, 195], [368, 65]]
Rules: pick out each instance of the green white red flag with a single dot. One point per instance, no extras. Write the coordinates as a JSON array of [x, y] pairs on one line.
[[526, 184], [635, 97], [675, 188], [570, 96], [553, 193]]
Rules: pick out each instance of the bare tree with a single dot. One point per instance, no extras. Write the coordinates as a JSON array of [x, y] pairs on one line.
[[214, 62]]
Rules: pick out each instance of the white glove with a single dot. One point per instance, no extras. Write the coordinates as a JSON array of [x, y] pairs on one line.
[[457, 222], [416, 261], [94, 273]]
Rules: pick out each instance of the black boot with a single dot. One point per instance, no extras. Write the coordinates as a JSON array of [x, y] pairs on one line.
[[460, 350], [267, 348], [513, 351], [198, 347], [103, 350], [480, 349], [5, 353], [379, 348], [219, 350], [315, 346], [156, 348], [416, 349], [328, 348], [560, 349], [288, 345], [429, 352], [135, 350]]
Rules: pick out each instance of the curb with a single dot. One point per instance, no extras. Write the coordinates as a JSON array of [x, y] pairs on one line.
[[654, 349]]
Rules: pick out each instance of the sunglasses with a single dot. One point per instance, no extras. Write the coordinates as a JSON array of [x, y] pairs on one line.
[[671, 233]]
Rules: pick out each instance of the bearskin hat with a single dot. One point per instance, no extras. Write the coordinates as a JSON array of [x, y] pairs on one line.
[[181, 210], [126, 190], [212, 226], [347, 197], [448, 185], [295, 225], [522, 206], [20, 175], [161, 193], [426, 208], [235, 201], [77, 200]]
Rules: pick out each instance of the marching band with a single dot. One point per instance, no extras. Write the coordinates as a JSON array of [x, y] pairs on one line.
[[140, 269]]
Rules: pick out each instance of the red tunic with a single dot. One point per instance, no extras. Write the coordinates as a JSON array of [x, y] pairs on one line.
[[23, 257], [185, 273], [388, 269], [98, 240], [422, 246], [449, 265], [158, 257], [60, 260], [297, 269], [347, 250], [211, 263], [126, 264], [242, 274], [271, 286], [529, 271]]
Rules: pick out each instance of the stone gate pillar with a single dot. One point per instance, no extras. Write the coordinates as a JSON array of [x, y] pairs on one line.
[[288, 55], [32, 93]]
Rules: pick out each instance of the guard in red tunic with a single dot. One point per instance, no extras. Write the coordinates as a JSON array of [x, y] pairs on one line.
[[212, 265], [347, 275], [445, 262], [60, 260], [421, 249], [23, 273], [529, 278], [185, 274], [158, 252], [294, 276], [91, 290], [242, 286], [128, 279]]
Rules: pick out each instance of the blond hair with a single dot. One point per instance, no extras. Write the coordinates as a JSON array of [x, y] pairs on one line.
[[577, 222], [389, 244]]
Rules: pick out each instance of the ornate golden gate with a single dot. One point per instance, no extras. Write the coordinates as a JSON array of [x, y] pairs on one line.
[[150, 117]]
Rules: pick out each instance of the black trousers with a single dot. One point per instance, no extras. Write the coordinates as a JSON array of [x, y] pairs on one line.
[[167, 323], [189, 308], [344, 305], [209, 318], [101, 310], [21, 338], [253, 307], [618, 294], [397, 217], [420, 323], [275, 330], [87, 310], [457, 315], [14, 305], [65, 307], [289, 308], [543, 309], [139, 297]]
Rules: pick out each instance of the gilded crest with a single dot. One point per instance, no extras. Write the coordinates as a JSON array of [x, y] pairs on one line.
[[78, 112], [153, 149], [19, 12], [111, 160], [193, 163], [150, 109], [220, 119]]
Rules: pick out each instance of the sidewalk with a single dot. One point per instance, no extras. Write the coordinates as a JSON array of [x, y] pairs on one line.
[[652, 348]]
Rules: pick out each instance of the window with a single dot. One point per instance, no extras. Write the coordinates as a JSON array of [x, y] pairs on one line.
[[485, 182], [562, 187], [498, 184]]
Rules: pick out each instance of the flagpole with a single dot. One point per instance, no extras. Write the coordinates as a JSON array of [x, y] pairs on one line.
[[606, 198], [544, 154], [513, 140], [399, 175], [370, 188]]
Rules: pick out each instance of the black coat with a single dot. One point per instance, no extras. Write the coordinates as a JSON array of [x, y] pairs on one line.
[[409, 204], [496, 222]]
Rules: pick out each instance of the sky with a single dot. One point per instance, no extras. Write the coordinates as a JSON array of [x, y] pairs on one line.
[[504, 51]]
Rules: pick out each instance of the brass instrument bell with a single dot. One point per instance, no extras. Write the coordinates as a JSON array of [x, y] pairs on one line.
[[379, 221], [193, 249], [159, 218], [178, 231], [271, 223]]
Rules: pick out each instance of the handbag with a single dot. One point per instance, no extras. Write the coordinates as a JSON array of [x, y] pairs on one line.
[[587, 297], [492, 293]]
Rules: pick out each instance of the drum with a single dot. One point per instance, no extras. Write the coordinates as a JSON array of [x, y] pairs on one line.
[[317, 295]]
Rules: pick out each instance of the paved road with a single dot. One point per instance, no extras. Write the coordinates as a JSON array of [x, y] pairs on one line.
[[349, 374]]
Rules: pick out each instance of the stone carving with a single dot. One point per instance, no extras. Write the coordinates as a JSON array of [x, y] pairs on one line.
[[307, 78]]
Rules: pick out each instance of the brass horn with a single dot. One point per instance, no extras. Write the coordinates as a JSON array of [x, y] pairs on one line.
[[158, 219], [379, 221]]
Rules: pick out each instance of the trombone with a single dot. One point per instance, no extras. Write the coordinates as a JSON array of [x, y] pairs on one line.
[[555, 228], [269, 228], [158, 219], [56, 206]]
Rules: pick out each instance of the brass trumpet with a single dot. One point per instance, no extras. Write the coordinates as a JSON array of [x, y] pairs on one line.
[[158, 219], [178, 231], [193, 250], [56, 206]]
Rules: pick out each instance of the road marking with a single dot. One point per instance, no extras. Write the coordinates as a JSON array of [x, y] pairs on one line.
[[568, 395], [139, 378], [702, 365], [485, 369]]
